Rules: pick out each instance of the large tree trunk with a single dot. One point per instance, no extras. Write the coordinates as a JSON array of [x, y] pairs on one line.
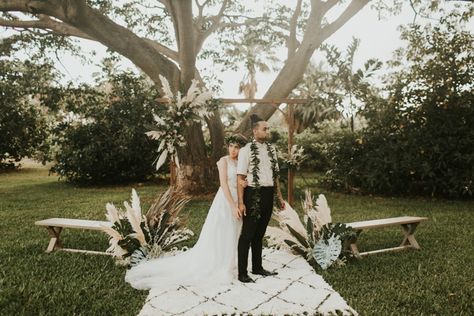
[[198, 172]]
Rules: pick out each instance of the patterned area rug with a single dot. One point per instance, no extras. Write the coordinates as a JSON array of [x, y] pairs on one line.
[[296, 290]]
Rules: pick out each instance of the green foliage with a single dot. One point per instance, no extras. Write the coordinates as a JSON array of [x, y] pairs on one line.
[[316, 144], [23, 126], [421, 139], [102, 138], [335, 90]]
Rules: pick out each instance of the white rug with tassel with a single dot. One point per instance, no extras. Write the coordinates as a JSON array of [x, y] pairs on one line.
[[296, 290]]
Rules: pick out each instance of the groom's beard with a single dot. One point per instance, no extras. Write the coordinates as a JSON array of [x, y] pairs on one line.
[[262, 139]]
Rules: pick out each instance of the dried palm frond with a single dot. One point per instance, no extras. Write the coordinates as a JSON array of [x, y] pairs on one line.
[[323, 211], [166, 208], [276, 237], [132, 234], [318, 211], [248, 89], [289, 217], [192, 92], [201, 99], [112, 214], [166, 87]]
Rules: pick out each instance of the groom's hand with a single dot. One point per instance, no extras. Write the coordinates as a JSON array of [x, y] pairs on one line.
[[242, 209]]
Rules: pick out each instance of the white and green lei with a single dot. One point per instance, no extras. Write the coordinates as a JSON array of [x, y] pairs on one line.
[[255, 161]]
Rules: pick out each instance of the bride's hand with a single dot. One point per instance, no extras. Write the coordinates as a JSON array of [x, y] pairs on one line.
[[243, 183], [236, 211]]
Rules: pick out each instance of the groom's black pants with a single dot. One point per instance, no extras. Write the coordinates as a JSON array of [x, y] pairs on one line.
[[254, 229]]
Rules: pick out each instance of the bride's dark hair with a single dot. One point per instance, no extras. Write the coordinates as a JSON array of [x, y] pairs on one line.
[[236, 139]]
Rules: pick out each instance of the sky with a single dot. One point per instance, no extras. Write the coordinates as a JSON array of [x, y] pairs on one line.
[[379, 38]]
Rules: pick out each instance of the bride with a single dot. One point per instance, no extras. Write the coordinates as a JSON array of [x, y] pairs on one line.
[[213, 259]]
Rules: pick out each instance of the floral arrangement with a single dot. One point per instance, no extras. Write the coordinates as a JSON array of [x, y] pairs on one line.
[[318, 240], [294, 159], [135, 237], [195, 105], [235, 139]]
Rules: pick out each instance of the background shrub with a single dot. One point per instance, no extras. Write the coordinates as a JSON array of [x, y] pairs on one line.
[[420, 140], [23, 126], [102, 137]]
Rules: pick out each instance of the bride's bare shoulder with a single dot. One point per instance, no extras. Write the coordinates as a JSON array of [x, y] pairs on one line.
[[222, 160]]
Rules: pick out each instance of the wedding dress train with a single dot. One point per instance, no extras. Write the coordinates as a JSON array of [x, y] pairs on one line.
[[212, 260]]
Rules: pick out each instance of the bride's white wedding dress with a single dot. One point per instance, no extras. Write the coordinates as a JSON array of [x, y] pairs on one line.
[[212, 260]]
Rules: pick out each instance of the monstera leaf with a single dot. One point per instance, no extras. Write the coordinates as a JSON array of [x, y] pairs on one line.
[[327, 251]]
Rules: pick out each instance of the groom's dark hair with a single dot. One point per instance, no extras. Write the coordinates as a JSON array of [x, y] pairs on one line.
[[254, 120]]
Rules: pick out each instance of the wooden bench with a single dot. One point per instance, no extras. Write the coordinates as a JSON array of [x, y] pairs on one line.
[[56, 225], [408, 224]]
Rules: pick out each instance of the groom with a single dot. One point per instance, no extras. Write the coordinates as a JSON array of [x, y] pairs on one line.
[[257, 163]]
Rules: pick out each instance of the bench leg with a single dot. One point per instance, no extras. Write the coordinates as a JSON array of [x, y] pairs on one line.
[[55, 242], [354, 248], [409, 238]]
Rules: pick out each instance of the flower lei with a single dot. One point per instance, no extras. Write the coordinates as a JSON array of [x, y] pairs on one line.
[[235, 140], [255, 161]]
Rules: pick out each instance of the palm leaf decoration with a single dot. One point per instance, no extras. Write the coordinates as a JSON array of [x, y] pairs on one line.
[[316, 239], [302, 239], [326, 252], [135, 238], [297, 248], [166, 207]]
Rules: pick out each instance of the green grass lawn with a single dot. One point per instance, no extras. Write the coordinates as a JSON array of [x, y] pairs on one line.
[[438, 280]]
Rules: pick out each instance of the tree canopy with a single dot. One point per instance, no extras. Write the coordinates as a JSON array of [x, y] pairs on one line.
[[166, 38]]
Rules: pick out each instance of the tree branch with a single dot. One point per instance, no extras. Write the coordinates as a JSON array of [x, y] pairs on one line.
[[186, 42], [61, 28], [202, 35], [12, 5], [162, 49], [77, 17], [352, 9], [292, 41], [329, 4], [199, 19], [46, 23]]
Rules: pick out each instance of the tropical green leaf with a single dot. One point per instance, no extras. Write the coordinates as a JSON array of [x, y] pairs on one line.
[[298, 236], [294, 246], [309, 230]]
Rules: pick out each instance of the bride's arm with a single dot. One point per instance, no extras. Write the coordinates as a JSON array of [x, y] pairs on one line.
[[222, 167]]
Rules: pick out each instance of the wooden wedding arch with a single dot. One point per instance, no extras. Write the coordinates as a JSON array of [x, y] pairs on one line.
[[289, 116]]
